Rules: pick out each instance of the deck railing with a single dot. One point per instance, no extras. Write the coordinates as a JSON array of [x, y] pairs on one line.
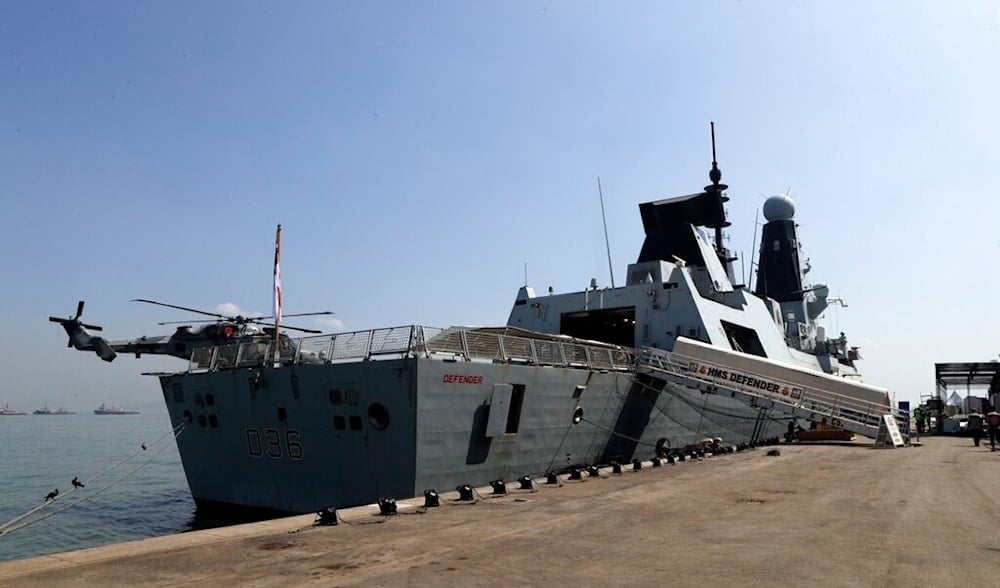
[[413, 341]]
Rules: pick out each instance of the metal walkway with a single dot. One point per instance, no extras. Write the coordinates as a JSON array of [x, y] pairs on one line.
[[853, 413]]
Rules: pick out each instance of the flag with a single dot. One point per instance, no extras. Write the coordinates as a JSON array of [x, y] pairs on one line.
[[277, 279]]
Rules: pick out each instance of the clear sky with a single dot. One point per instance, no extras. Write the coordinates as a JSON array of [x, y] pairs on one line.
[[420, 154]]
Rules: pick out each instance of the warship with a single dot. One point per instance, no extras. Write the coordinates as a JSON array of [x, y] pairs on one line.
[[678, 355]]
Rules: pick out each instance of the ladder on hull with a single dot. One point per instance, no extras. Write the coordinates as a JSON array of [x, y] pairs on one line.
[[857, 413]]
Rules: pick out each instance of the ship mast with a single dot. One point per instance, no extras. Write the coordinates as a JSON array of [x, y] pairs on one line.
[[277, 297], [717, 189]]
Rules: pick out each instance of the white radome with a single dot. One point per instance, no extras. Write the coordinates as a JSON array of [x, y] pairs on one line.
[[779, 208]]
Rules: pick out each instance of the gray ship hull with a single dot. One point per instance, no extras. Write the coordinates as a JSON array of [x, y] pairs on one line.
[[302, 437]]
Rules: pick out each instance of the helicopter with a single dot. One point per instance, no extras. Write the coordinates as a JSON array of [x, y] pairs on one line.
[[221, 330]]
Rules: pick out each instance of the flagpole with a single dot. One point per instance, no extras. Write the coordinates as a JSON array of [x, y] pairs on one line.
[[277, 296]]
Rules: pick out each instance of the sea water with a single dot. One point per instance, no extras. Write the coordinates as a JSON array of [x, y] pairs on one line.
[[142, 493]]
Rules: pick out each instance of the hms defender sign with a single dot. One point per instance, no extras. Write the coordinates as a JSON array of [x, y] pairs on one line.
[[759, 385]]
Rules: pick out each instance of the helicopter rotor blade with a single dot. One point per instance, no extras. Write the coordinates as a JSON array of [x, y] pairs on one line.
[[324, 312], [74, 321], [270, 327], [194, 310], [301, 329], [190, 322]]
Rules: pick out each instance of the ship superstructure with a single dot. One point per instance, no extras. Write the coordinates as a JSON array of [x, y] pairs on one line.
[[678, 288]]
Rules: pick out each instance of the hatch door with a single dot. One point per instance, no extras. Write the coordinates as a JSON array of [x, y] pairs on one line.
[[499, 408]]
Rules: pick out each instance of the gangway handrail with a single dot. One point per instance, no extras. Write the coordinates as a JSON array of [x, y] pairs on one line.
[[861, 417], [665, 359]]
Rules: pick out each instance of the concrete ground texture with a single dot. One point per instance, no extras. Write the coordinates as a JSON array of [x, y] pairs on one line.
[[838, 514]]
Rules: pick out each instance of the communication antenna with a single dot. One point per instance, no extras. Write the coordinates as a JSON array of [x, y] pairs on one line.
[[526, 274], [607, 243], [717, 189], [756, 215]]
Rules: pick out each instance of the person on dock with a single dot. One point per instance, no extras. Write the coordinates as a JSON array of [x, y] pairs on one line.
[[791, 435], [993, 426], [975, 427], [918, 416]]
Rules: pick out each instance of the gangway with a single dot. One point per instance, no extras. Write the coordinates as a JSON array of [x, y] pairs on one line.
[[769, 385]]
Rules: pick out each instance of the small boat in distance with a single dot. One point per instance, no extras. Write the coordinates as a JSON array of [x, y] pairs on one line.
[[8, 411], [102, 409], [46, 410]]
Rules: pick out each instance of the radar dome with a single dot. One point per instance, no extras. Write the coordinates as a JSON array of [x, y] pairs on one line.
[[779, 208]]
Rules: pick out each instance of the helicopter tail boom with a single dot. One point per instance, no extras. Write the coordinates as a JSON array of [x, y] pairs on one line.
[[81, 338]]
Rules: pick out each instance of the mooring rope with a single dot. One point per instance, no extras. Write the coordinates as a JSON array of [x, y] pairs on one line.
[[11, 525]]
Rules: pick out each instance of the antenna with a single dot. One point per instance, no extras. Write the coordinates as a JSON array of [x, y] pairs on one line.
[[526, 274], [756, 215], [717, 188], [607, 243], [716, 174], [277, 296]]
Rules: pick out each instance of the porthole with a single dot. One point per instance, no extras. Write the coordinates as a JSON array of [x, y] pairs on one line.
[[378, 416]]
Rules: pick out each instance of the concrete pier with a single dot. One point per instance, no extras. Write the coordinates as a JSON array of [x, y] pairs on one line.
[[818, 514]]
